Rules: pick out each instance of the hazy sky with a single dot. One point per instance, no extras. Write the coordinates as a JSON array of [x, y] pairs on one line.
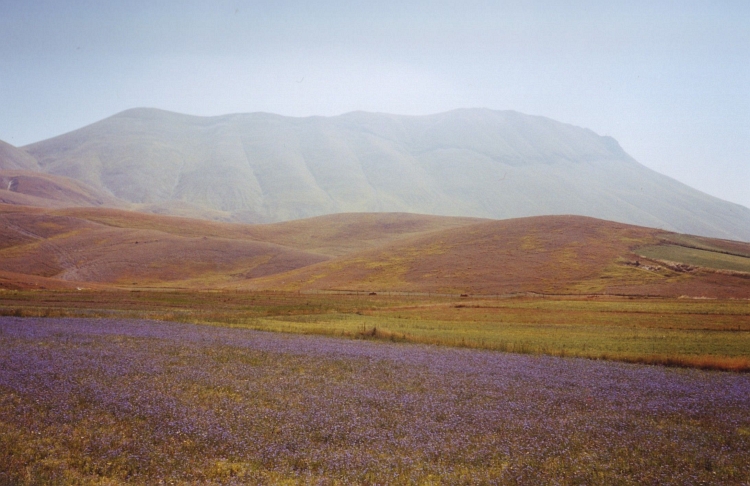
[[670, 80]]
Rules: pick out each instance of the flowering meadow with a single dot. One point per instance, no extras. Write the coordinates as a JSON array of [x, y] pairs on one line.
[[108, 401]]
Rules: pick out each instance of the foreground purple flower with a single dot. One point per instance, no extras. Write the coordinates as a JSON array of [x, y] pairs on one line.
[[141, 401]]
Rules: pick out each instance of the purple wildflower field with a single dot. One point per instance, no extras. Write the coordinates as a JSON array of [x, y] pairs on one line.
[[86, 401]]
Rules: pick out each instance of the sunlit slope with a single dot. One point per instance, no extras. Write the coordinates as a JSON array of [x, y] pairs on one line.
[[111, 246], [331, 235], [368, 252], [46, 244], [482, 163], [557, 254], [30, 188]]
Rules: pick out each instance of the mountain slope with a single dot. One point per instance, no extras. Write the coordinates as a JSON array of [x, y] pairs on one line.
[[482, 163], [110, 246], [330, 235], [14, 158], [62, 247], [547, 254]]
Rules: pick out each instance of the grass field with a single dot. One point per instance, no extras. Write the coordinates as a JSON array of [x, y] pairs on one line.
[[698, 257], [709, 334]]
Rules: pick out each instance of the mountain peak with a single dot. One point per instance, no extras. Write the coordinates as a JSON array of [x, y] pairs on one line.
[[15, 158], [150, 114]]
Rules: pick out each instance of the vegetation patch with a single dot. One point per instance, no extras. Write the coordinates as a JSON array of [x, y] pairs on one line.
[[709, 334], [697, 257], [117, 401]]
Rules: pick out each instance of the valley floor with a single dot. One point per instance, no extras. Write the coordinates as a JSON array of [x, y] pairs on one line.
[[694, 333], [100, 401]]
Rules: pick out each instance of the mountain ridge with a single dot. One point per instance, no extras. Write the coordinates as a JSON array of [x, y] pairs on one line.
[[14, 158], [261, 167]]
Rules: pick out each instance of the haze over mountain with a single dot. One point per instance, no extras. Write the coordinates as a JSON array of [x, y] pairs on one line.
[[260, 168]]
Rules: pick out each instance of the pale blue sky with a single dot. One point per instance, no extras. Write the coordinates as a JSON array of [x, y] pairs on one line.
[[670, 80]]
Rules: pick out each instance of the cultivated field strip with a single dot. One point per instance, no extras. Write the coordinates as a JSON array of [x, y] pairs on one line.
[[696, 333]]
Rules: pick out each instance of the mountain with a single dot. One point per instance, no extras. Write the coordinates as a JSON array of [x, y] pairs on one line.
[[380, 252], [14, 158], [491, 164]]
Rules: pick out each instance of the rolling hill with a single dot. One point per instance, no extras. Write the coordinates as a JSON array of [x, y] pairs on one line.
[[30, 188], [116, 247], [67, 248], [263, 168], [545, 254], [381, 252]]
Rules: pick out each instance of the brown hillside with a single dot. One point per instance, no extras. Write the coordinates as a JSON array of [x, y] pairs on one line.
[[369, 252], [331, 235], [126, 248], [341, 234], [556, 254], [47, 244], [30, 188]]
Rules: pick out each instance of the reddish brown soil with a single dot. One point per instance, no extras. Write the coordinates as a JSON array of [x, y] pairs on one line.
[[54, 245], [374, 252], [332, 235], [553, 254]]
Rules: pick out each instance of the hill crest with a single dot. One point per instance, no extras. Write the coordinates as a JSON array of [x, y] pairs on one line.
[[364, 252]]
